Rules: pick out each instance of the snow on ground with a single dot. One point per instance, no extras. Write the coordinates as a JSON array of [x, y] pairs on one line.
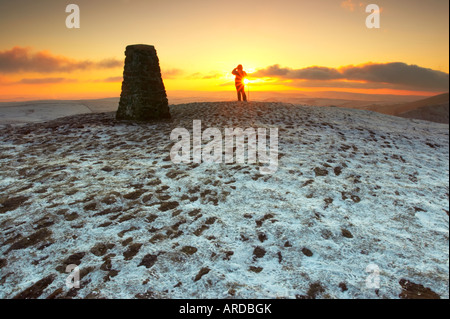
[[353, 189], [19, 113]]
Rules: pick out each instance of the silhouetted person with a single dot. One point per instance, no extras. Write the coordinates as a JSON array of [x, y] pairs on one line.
[[239, 82]]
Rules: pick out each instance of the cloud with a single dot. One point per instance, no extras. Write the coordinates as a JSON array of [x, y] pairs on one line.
[[171, 73], [310, 73], [398, 73], [348, 4], [273, 70], [112, 79], [46, 81], [389, 74], [316, 73], [203, 76], [351, 6], [37, 81], [19, 59], [211, 76], [195, 76], [58, 80]]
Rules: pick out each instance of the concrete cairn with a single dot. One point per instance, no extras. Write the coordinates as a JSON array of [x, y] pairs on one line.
[[143, 95]]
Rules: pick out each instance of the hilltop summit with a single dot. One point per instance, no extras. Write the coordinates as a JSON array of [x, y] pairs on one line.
[[353, 188]]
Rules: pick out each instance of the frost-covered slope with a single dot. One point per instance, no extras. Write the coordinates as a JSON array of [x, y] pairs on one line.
[[353, 188]]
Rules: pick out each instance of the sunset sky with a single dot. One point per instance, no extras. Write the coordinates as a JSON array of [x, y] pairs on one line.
[[321, 45]]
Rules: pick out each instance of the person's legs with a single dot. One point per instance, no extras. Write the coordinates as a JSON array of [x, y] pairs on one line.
[[241, 92], [238, 90]]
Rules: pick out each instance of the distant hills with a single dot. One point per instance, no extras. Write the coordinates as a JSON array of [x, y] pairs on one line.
[[434, 109]]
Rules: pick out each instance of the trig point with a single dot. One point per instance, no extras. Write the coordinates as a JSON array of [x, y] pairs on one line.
[[143, 95]]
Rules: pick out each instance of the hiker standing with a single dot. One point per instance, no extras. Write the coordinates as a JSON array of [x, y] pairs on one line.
[[239, 82]]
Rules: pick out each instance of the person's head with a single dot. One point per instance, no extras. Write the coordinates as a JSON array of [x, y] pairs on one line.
[[239, 67]]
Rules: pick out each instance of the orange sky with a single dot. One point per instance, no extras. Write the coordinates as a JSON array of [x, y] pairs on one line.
[[285, 45]]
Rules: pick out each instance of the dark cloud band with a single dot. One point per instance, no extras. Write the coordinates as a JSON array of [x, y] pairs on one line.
[[396, 73], [19, 59]]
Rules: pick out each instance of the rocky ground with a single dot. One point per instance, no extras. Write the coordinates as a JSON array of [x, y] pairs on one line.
[[353, 189]]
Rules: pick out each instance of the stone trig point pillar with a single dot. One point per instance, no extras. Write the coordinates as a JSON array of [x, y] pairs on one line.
[[143, 95]]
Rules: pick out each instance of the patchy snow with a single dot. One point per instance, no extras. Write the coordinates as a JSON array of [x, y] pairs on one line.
[[10, 113], [19, 113], [353, 188]]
